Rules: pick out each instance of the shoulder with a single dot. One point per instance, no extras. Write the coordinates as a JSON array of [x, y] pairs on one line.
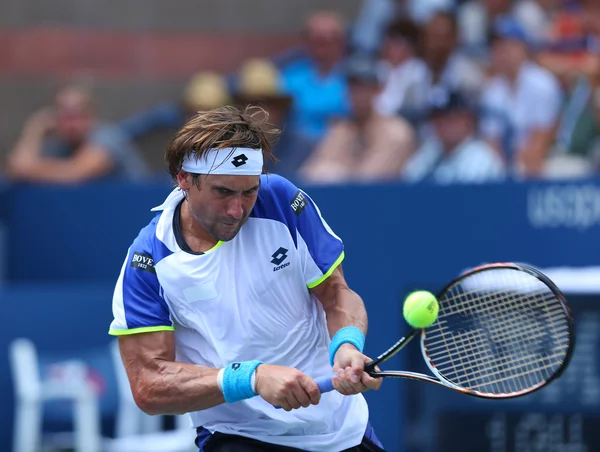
[[296, 69], [478, 154], [108, 135], [277, 196], [495, 91], [148, 245], [540, 79]]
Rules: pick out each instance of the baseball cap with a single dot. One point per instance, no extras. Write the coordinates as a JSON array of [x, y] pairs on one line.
[[361, 69], [445, 101], [506, 27]]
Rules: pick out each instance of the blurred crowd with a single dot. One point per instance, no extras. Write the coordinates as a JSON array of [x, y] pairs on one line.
[[442, 91]]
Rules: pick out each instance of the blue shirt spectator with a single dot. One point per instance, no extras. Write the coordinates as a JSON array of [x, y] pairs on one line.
[[316, 84], [169, 115], [318, 98]]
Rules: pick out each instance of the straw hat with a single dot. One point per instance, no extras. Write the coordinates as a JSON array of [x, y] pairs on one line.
[[259, 81], [205, 91]]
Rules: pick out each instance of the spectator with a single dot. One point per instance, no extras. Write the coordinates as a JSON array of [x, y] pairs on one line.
[[259, 83], [476, 17], [376, 15], [521, 104], [572, 41], [205, 91], [405, 75], [448, 67], [453, 154], [577, 150], [67, 144], [367, 147], [316, 84]]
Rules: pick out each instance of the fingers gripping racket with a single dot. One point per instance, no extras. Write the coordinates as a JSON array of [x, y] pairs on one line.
[[503, 330]]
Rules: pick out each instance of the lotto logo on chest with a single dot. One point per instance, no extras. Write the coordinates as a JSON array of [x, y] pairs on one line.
[[279, 257]]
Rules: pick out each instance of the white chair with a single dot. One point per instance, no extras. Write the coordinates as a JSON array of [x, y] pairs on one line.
[[31, 392], [135, 431]]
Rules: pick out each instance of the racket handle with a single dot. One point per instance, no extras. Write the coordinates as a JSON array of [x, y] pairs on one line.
[[325, 384]]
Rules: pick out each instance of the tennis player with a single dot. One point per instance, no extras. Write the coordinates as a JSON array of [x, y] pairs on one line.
[[227, 301]]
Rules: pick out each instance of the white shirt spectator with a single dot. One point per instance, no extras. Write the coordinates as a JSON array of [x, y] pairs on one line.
[[405, 87], [514, 112], [375, 15], [408, 86], [472, 161], [464, 75], [474, 23]]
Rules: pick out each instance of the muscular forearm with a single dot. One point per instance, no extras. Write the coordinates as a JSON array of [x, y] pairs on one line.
[[174, 388], [30, 144], [347, 310]]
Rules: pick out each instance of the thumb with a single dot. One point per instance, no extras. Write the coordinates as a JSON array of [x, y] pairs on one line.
[[358, 365]]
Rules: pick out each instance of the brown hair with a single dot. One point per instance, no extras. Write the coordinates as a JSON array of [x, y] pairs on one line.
[[220, 128]]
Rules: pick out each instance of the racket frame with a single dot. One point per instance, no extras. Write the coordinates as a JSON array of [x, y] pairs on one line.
[[438, 378]]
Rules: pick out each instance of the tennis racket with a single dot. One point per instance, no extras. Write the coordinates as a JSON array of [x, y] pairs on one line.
[[503, 330]]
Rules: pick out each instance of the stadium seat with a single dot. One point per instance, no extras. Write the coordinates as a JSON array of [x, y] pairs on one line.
[[81, 390]]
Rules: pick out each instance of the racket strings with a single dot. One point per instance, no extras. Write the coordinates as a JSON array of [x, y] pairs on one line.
[[499, 331]]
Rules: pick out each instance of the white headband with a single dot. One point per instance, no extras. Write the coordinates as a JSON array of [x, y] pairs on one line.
[[229, 161]]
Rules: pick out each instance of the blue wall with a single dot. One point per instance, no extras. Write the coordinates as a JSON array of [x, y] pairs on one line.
[[67, 245]]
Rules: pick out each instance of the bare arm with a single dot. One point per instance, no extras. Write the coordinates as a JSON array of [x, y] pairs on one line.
[[34, 131], [343, 306], [533, 157], [89, 163], [159, 384]]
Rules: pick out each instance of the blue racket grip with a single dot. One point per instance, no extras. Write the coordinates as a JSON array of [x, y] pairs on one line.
[[325, 384]]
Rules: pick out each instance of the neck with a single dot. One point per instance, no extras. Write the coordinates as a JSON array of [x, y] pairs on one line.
[[325, 67], [193, 233], [514, 75]]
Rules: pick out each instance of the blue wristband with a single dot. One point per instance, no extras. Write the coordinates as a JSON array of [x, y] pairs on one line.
[[347, 335], [237, 381]]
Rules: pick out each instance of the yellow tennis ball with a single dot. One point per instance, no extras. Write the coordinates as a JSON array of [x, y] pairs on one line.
[[421, 309]]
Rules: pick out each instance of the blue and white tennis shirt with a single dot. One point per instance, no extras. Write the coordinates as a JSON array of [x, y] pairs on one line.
[[242, 300]]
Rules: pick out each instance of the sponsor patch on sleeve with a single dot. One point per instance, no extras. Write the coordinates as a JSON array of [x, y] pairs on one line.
[[298, 203], [143, 262]]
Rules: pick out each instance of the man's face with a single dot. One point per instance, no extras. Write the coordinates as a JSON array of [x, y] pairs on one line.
[[453, 127], [439, 37], [361, 96], [74, 118], [221, 204], [325, 39], [496, 7], [508, 55]]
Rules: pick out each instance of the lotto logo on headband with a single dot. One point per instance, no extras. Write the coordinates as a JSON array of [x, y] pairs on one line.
[[245, 162], [239, 160]]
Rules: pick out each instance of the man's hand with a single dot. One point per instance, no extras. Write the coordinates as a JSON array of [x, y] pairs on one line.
[[41, 122], [349, 365], [286, 387]]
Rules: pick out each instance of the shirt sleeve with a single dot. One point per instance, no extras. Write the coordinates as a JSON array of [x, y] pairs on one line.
[[320, 249], [494, 120], [138, 306], [547, 102]]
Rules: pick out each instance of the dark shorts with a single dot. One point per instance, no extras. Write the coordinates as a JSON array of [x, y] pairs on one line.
[[220, 442]]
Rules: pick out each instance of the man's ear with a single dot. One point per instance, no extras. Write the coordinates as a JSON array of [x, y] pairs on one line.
[[184, 179]]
